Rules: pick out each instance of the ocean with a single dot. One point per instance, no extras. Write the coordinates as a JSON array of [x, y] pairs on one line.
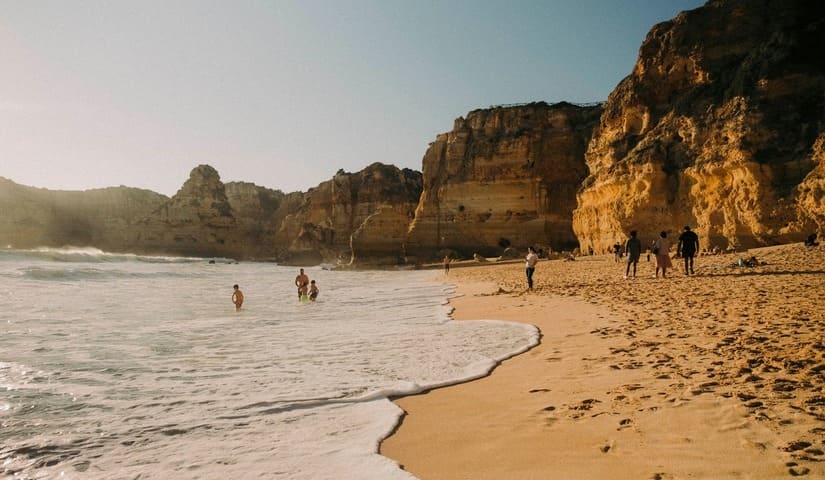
[[126, 366]]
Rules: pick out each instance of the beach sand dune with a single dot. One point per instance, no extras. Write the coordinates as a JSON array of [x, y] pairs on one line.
[[718, 375]]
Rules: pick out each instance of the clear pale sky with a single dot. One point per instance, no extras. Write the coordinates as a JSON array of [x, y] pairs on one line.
[[283, 94]]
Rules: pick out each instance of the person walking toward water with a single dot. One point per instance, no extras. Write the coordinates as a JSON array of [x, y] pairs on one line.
[[237, 297], [531, 260], [661, 248], [634, 251], [688, 246], [313, 290], [302, 282]]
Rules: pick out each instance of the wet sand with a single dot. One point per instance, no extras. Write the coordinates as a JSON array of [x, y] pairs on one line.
[[717, 375]]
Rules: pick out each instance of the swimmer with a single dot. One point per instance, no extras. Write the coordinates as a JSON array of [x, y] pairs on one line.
[[237, 297]]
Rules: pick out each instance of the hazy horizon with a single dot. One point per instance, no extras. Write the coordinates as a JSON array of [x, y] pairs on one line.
[[284, 94]]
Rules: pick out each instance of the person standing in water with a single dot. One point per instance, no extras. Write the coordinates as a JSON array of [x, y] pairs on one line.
[[313, 291], [302, 282], [237, 297], [634, 251], [447, 261], [530, 262]]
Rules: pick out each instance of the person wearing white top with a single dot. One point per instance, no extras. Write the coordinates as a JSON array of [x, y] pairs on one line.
[[531, 261]]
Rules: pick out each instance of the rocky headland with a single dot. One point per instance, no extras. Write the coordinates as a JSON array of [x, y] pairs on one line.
[[37, 217], [720, 125]]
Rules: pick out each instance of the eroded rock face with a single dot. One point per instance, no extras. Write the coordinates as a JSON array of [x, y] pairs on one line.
[[236, 220], [197, 220], [719, 126], [208, 218], [321, 228], [379, 240], [503, 176], [103, 218]]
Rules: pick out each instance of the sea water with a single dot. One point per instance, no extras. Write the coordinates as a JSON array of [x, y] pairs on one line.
[[122, 366]]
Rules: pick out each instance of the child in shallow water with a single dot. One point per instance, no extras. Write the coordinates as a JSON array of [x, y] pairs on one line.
[[237, 297], [313, 290]]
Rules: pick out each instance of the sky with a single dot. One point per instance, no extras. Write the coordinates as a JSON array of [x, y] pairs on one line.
[[284, 93]]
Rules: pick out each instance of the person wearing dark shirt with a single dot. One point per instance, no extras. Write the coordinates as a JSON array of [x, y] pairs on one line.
[[634, 251], [687, 247]]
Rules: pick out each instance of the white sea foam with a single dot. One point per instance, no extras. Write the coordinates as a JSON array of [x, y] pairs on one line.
[[144, 369]]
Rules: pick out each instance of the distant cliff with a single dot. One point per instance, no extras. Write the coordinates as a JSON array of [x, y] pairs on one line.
[[721, 126], [503, 176], [36, 217], [359, 218], [209, 218]]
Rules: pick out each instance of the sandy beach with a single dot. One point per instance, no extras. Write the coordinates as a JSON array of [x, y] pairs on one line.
[[717, 375]]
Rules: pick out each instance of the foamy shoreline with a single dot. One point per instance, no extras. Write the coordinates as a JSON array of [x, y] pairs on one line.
[[714, 376]]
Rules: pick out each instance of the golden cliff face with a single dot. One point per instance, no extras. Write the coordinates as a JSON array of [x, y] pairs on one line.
[[354, 217], [716, 128], [503, 176]]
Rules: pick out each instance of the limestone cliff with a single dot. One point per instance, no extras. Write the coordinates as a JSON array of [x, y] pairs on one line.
[[503, 176], [321, 228], [209, 218], [719, 126], [236, 220], [35, 217]]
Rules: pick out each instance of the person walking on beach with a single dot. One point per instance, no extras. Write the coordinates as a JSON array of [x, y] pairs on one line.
[[447, 261], [688, 246], [237, 297], [617, 252], [633, 247], [302, 282], [661, 248], [531, 261], [313, 290]]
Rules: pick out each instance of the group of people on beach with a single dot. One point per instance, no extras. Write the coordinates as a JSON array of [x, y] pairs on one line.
[[686, 248], [307, 290]]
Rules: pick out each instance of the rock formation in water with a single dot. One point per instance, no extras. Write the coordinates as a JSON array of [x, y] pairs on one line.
[[103, 218], [338, 218], [720, 126], [503, 176]]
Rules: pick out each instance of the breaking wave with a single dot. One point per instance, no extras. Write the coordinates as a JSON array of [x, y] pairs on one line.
[[92, 255], [70, 274]]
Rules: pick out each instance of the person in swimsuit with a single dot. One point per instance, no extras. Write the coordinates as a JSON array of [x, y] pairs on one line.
[[237, 297], [313, 290], [302, 282]]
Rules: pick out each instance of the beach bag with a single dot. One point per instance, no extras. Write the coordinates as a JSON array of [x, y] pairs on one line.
[[655, 250]]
